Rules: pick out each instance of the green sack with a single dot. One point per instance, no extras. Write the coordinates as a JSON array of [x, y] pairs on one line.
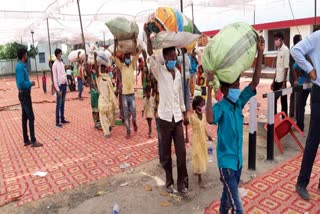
[[231, 52], [123, 29]]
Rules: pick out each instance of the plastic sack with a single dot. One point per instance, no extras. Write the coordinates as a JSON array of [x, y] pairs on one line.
[[167, 39], [231, 52], [163, 19], [73, 55], [102, 58], [123, 29], [168, 19]]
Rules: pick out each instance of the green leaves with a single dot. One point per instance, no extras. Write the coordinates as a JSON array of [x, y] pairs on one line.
[[9, 50]]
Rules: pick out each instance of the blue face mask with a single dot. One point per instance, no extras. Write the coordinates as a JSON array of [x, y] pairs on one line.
[[127, 61], [171, 64], [234, 94]]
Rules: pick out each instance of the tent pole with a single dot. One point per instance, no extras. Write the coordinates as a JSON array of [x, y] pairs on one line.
[[315, 13], [183, 65], [192, 17], [50, 59], [254, 15], [83, 41]]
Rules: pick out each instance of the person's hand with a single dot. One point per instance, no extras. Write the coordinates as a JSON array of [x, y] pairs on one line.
[[271, 86], [185, 120], [261, 44], [33, 83], [59, 93], [284, 85], [313, 75], [210, 79], [209, 137]]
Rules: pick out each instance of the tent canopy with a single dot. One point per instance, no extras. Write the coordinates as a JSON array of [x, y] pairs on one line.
[[19, 17]]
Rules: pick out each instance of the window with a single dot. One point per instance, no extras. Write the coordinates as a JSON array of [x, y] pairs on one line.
[[42, 57], [286, 33]]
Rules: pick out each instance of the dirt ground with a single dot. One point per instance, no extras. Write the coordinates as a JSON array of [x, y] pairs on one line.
[[127, 188]]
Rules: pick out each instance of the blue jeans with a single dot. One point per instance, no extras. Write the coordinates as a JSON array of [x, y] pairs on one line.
[[129, 106], [60, 104], [80, 87], [159, 138], [230, 196]]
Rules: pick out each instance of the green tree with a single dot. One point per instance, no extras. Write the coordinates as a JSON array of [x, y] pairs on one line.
[[9, 51]]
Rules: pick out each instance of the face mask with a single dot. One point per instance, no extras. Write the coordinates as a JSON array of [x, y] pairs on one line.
[[234, 94], [127, 61], [171, 64], [202, 109]]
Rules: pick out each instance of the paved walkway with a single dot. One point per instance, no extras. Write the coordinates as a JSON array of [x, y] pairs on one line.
[[274, 191]]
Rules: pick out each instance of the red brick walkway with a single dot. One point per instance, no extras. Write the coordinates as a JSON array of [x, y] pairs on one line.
[[73, 155], [274, 191]]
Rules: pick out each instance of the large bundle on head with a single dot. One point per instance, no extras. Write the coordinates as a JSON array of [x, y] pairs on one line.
[[73, 55], [230, 52], [123, 29], [126, 32], [167, 39], [168, 19], [169, 27], [103, 58]]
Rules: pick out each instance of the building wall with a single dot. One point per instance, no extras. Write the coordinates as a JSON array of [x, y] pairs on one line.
[[304, 30]]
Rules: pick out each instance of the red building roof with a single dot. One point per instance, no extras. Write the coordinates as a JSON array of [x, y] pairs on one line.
[[275, 25]]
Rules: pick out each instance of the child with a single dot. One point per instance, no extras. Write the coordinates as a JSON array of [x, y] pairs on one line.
[[148, 107], [227, 114], [44, 82], [199, 138], [107, 100]]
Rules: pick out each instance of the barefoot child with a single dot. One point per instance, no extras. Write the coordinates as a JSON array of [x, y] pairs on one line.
[[227, 114], [199, 138], [148, 107]]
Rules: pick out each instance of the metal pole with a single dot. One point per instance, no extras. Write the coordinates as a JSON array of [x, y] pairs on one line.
[[83, 41], [104, 39], [192, 17], [315, 13], [270, 133], [35, 60], [50, 59], [183, 65], [252, 134], [254, 15]]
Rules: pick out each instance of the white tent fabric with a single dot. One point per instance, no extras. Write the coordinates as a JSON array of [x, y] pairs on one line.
[[19, 17]]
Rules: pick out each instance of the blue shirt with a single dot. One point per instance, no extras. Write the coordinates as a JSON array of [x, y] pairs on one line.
[[303, 78], [194, 65], [229, 118], [309, 46], [22, 77]]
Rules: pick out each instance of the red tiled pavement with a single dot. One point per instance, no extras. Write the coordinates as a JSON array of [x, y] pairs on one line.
[[274, 191], [73, 155]]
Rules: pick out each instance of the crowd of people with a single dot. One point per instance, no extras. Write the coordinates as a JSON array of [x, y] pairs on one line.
[[164, 92]]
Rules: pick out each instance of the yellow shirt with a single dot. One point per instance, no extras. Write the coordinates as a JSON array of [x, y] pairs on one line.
[[127, 73]]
